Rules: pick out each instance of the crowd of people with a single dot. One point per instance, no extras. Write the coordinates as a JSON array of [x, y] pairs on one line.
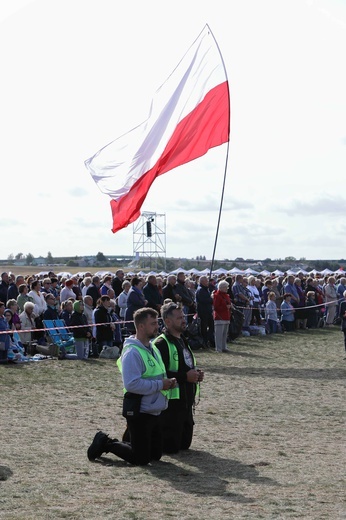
[[100, 311]]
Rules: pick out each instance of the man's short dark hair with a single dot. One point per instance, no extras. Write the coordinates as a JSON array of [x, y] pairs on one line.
[[142, 314], [168, 308]]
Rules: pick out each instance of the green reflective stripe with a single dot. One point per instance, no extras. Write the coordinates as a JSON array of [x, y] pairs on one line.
[[154, 366]]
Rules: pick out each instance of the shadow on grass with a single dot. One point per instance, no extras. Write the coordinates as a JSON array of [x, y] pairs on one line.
[[327, 374], [201, 473]]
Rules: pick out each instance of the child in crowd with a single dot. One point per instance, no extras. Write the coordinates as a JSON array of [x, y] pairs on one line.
[[271, 314]]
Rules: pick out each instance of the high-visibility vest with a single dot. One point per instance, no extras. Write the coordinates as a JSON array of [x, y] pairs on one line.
[[154, 365], [173, 365]]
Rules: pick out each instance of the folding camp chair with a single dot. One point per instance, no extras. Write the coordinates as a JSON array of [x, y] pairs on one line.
[[59, 337]]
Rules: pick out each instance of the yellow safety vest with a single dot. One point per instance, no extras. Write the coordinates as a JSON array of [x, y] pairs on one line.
[[154, 365], [173, 365]]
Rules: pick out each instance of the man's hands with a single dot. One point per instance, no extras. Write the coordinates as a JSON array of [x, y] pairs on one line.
[[169, 383], [194, 375]]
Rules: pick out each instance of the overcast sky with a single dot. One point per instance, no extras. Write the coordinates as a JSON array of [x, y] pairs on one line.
[[76, 74]]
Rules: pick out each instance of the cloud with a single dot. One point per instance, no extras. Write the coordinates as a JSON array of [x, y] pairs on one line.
[[325, 205], [209, 204], [77, 191]]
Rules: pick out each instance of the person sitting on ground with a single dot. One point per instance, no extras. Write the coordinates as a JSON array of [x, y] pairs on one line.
[[27, 322]]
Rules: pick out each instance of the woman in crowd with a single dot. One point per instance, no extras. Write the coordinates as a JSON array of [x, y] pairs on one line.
[[287, 313], [38, 298], [67, 291], [13, 306], [331, 300], [222, 315], [122, 298], [255, 301], [27, 322], [23, 296]]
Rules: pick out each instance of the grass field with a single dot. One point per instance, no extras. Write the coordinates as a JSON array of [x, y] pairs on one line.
[[269, 438]]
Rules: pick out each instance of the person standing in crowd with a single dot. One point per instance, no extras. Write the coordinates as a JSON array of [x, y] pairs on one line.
[[222, 315], [204, 303], [180, 363], [185, 295], [343, 319], [51, 313], [169, 290], [331, 298], [13, 290], [312, 311], [151, 293], [82, 332], [5, 340], [146, 386], [135, 301], [103, 322], [122, 298], [271, 314], [255, 301], [117, 282], [23, 296], [106, 285], [67, 291], [4, 285], [94, 290], [87, 280], [287, 313]]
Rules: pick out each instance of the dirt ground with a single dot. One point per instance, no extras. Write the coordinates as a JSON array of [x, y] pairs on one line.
[[269, 438]]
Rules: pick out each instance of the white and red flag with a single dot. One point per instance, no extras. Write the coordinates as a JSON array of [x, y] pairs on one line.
[[189, 114]]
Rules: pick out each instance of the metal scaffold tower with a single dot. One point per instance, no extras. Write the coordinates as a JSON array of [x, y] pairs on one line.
[[149, 240]]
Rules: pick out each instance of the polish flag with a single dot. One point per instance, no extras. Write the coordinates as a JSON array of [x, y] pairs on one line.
[[189, 114]]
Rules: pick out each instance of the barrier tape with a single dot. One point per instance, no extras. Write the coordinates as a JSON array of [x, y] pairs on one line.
[[131, 321]]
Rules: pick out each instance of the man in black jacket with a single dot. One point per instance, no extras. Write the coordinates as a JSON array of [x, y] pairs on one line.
[[180, 363], [205, 312], [152, 294]]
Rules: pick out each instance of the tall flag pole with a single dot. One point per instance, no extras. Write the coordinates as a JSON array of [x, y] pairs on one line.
[[189, 115]]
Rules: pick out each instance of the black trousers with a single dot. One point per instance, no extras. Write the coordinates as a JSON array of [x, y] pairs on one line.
[[177, 425], [145, 440], [207, 328]]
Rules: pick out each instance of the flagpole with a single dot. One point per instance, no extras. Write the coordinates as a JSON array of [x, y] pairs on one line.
[[220, 211], [226, 162]]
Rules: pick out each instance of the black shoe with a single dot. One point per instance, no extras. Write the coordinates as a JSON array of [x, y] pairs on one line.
[[97, 447]]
